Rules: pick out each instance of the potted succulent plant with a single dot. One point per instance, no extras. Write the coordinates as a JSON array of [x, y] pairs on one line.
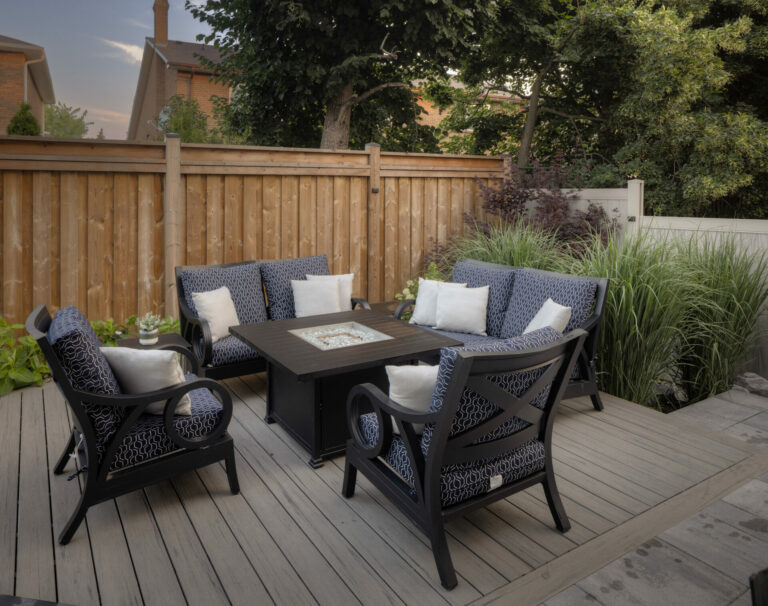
[[149, 325]]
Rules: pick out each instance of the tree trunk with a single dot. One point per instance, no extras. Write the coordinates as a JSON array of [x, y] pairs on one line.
[[337, 117], [524, 153]]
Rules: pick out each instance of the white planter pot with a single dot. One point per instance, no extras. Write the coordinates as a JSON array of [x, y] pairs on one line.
[[148, 338]]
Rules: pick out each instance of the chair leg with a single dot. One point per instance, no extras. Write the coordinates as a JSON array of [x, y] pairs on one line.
[[64, 458], [442, 557], [350, 479], [596, 401], [75, 519], [555, 504], [229, 463]]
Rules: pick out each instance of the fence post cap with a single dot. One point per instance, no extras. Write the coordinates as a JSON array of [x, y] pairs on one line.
[[372, 145], [172, 136]]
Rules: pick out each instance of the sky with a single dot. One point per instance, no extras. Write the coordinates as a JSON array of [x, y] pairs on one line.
[[94, 50]]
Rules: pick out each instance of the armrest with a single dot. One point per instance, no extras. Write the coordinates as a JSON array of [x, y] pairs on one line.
[[402, 307], [197, 332], [184, 352], [361, 302], [383, 407], [220, 393]]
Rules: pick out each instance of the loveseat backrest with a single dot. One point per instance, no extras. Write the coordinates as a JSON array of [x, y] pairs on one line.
[[496, 401], [243, 279], [500, 278], [277, 276]]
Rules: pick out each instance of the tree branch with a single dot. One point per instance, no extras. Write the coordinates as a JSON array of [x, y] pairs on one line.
[[556, 112], [355, 99]]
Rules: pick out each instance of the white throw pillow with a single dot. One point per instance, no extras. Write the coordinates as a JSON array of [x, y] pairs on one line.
[[462, 309], [345, 282], [425, 309], [217, 308], [412, 387], [314, 297], [551, 314], [143, 370]]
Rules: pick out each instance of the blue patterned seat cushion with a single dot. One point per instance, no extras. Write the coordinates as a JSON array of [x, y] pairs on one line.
[[468, 339], [277, 276], [242, 280], [500, 280], [533, 287], [77, 347], [461, 482], [230, 350], [147, 439]]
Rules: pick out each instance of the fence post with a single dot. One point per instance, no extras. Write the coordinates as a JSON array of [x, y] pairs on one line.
[[171, 220], [375, 224], [635, 193]]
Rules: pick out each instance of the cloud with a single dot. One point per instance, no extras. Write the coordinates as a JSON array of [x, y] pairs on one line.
[[108, 115], [137, 23], [131, 53]]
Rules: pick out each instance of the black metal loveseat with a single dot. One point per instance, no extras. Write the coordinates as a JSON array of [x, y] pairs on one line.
[[117, 446], [517, 293], [248, 282], [487, 434]]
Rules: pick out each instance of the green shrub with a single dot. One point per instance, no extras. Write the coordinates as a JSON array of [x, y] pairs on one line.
[[23, 122], [21, 361], [721, 329], [508, 244], [649, 297]]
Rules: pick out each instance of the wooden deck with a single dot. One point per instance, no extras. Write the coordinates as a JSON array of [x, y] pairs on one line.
[[625, 474]]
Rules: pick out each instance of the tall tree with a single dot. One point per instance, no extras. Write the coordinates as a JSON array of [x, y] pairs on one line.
[[299, 69], [23, 122], [630, 88], [64, 121]]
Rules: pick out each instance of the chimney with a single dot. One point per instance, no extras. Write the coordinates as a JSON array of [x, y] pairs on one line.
[[161, 21]]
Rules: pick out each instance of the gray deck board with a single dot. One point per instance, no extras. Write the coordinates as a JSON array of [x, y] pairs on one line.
[[290, 537], [35, 572], [10, 433], [75, 574]]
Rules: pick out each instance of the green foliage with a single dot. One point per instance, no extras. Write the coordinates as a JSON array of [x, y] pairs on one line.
[[291, 63], [109, 331], [64, 121], [674, 93], [23, 122], [184, 117], [21, 361], [148, 322], [515, 244], [723, 326]]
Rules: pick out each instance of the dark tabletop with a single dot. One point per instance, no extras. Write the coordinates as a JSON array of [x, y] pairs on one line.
[[273, 341]]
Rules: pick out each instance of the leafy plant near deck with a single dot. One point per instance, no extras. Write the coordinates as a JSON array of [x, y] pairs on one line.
[[21, 361]]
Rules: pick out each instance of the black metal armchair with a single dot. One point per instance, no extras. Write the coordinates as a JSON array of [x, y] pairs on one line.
[[487, 434], [118, 447]]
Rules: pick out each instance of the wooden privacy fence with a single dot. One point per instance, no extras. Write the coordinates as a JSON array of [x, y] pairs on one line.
[[102, 224]]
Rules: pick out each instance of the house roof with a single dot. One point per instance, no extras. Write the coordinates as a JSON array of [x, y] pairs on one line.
[[185, 54], [39, 70]]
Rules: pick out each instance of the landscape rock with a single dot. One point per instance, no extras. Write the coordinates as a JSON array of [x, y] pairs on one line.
[[753, 383]]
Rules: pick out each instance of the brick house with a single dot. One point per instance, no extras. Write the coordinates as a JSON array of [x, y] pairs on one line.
[[24, 78], [169, 68]]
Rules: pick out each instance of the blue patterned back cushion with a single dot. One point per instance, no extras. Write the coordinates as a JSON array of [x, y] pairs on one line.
[[499, 280], [532, 288], [277, 276], [77, 348], [473, 409], [243, 282]]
